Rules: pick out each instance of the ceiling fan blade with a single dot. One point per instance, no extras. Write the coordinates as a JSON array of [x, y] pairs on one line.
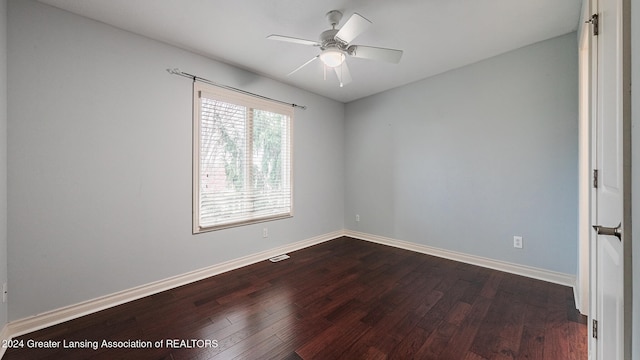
[[355, 26], [375, 53], [293, 40], [303, 65], [344, 76]]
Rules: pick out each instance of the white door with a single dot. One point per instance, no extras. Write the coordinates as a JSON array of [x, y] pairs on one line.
[[608, 275]]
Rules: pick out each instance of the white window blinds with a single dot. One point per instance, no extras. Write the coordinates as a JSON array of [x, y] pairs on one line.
[[242, 159]]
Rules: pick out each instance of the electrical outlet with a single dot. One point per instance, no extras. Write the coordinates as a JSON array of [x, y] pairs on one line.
[[265, 232], [517, 242], [4, 292], [357, 217]]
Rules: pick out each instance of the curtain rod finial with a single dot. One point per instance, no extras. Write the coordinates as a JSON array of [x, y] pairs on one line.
[[174, 71]]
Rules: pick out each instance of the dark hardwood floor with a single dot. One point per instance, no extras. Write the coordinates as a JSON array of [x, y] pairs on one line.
[[343, 299]]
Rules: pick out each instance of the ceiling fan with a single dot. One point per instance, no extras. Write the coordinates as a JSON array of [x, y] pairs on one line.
[[336, 45]]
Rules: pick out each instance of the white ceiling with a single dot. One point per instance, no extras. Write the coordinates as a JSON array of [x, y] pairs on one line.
[[436, 35]]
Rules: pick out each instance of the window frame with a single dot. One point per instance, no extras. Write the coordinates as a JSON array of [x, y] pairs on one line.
[[251, 103]]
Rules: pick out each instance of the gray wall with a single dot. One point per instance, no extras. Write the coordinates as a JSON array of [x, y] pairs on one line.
[[99, 159], [635, 179], [3, 154], [466, 160]]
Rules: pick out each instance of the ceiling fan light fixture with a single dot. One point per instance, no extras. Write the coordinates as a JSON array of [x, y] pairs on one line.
[[332, 57]]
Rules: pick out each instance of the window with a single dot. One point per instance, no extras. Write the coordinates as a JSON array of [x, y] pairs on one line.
[[241, 159]]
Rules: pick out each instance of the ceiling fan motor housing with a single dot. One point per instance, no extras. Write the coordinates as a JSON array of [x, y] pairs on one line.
[[328, 40]]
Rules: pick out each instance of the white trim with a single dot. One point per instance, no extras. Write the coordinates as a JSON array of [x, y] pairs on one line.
[[57, 316], [586, 192], [4, 335], [528, 271]]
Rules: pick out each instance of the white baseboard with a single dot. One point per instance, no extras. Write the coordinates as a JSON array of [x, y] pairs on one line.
[[57, 316], [4, 335], [528, 271]]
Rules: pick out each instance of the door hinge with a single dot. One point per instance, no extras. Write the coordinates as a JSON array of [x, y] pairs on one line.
[[595, 178], [594, 329], [593, 20]]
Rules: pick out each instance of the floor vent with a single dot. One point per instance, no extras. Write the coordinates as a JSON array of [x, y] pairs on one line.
[[279, 258]]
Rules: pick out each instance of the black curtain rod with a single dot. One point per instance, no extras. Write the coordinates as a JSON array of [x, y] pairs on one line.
[[176, 71]]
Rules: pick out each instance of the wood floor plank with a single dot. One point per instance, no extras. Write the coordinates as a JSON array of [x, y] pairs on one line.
[[410, 344], [533, 333], [577, 340], [326, 341], [437, 341], [342, 299], [491, 285], [473, 356], [462, 340]]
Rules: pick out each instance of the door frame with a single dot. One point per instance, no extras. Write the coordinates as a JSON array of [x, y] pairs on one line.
[[591, 7], [626, 131], [586, 159]]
